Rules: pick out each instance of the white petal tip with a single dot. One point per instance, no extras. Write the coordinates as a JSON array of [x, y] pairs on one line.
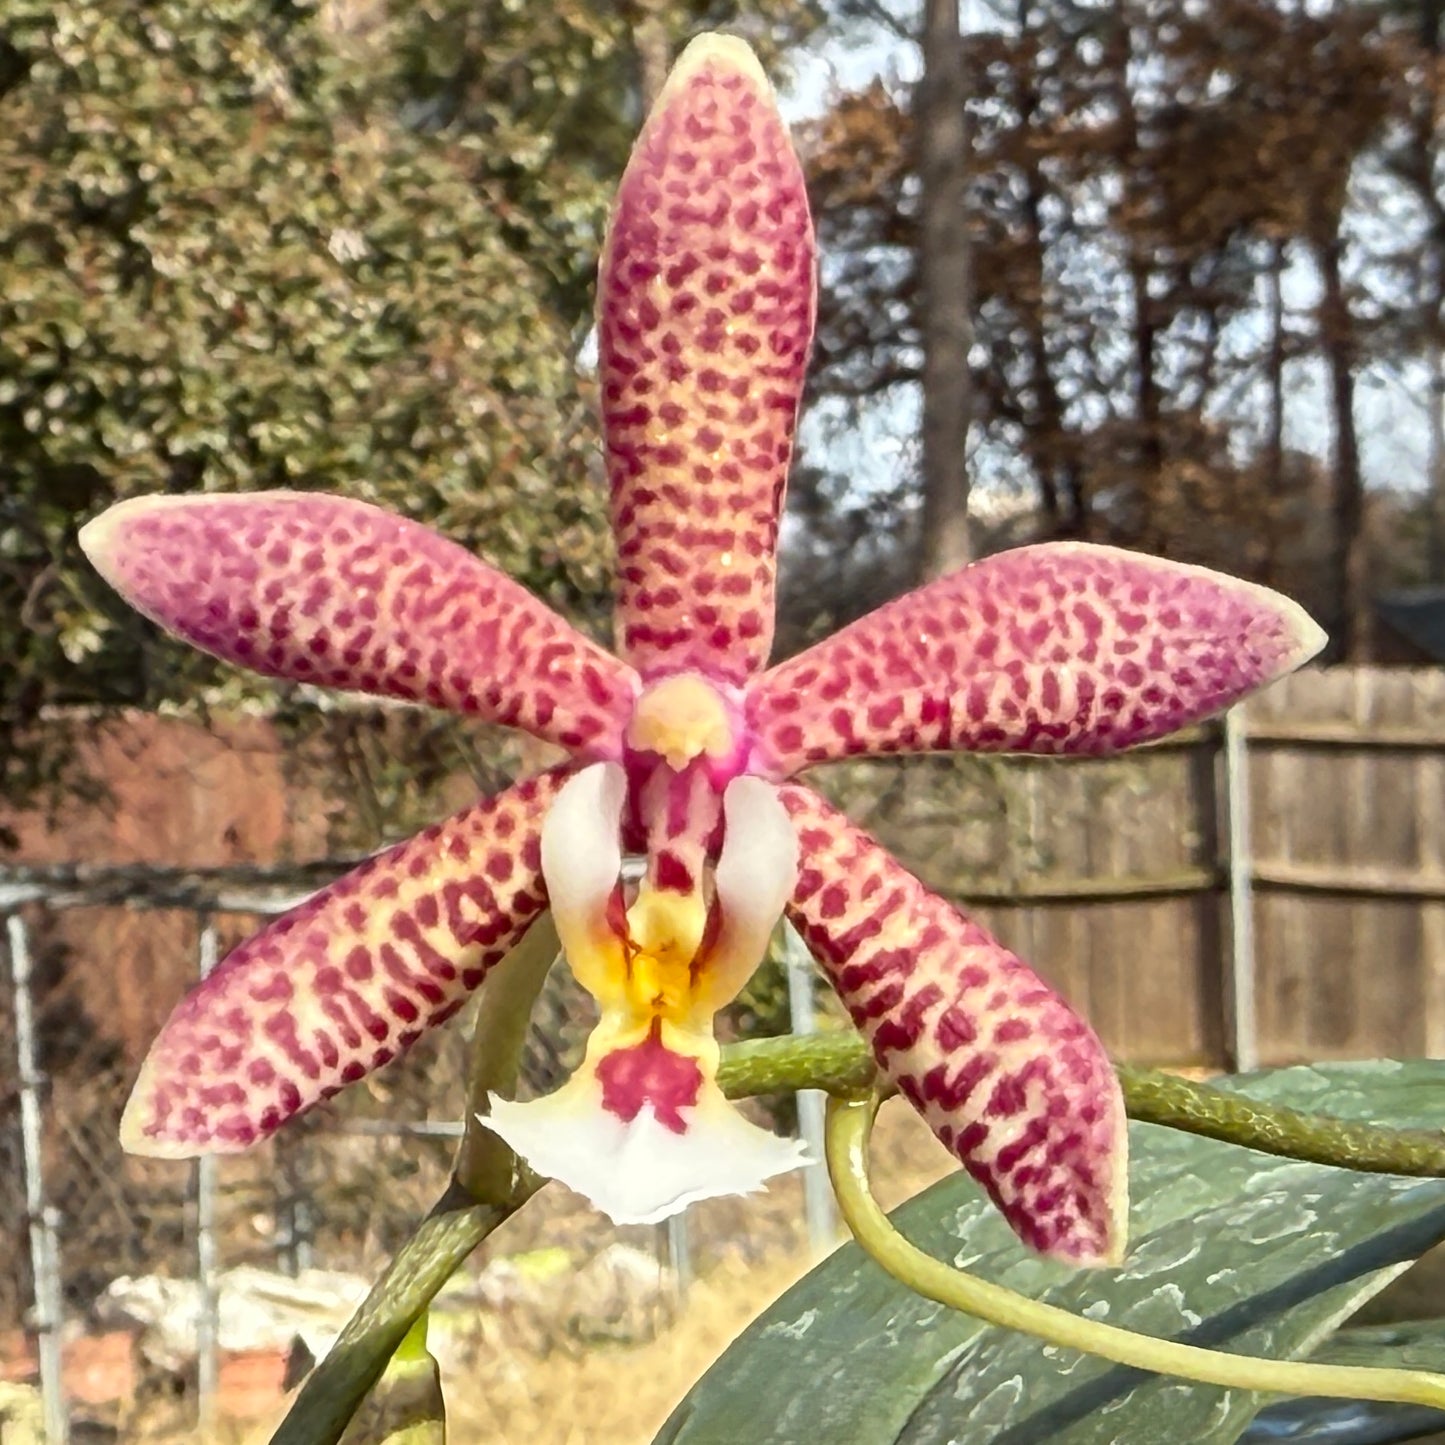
[[98, 537], [713, 47], [1311, 638], [94, 535], [1303, 637], [641, 1171]]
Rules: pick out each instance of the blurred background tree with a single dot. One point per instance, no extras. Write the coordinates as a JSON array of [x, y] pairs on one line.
[[1202, 241], [258, 244], [1196, 256]]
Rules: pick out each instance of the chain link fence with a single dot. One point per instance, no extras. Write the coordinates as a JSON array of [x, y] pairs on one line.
[[130, 1279]]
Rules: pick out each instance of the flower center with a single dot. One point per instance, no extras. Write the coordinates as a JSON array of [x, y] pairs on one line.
[[664, 931], [681, 718]]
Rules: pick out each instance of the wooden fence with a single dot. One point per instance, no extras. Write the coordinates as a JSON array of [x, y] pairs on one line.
[[1265, 890], [1117, 880], [1112, 877]]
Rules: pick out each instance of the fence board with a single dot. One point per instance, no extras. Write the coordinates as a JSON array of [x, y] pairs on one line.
[[1345, 976]]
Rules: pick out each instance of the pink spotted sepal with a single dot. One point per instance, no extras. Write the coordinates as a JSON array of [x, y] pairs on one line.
[[1058, 648], [1011, 1080], [336, 593], [345, 982], [705, 304]]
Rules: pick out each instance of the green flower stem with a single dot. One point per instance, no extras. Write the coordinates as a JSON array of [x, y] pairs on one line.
[[489, 1185], [850, 1122], [486, 1168], [840, 1063], [1158, 1098], [337, 1386], [406, 1406]]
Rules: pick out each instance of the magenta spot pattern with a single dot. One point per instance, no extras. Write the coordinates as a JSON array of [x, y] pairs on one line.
[[677, 823], [706, 305], [705, 315], [338, 593], [650, 1074], [1059, 648], [345, 982], [1011, 1080]]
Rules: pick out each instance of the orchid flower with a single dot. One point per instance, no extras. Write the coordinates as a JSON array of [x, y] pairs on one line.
[[681, 748]]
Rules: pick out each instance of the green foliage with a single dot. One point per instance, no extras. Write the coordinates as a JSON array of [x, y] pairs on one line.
[[1232, 1249], [549, 94], [556, 95], [346, 246], [226, 265]]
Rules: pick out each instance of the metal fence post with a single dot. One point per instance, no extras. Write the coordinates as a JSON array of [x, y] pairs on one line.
[[44, 1252], [295, 1227], [1243, 1031], [817, 1193], [208, 1305], [676, 1246]]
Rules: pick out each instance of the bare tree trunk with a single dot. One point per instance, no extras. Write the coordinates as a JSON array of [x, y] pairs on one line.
[[1427, 106], [1348, 571], [944, 292], [1149, 531], [1435, 459], [1052, 450], [1273, 448], [1154, 506]]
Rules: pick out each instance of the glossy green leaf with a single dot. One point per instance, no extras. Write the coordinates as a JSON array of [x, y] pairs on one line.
[[1232, 1249], [405, 1406], [1418, 1345], [1412, 1344]]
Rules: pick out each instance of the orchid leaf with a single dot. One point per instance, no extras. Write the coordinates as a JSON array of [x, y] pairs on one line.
[[1232, 1249], [1413, 1344], [1418, 1345], [1343, 1422], [406, 1406]]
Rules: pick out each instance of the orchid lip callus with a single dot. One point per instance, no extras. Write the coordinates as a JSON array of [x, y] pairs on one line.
[[682, 747]]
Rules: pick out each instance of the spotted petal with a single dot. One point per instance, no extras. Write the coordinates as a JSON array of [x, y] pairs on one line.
[[756, 873], [705, 313], [323, 590], [1008, 1077], [1059, 648], [342, 984]]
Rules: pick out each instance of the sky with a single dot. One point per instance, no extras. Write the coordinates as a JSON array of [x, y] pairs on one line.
[[1390, 405]]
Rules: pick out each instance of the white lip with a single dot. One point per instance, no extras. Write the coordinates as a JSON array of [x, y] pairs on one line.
[[640, 1172]]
